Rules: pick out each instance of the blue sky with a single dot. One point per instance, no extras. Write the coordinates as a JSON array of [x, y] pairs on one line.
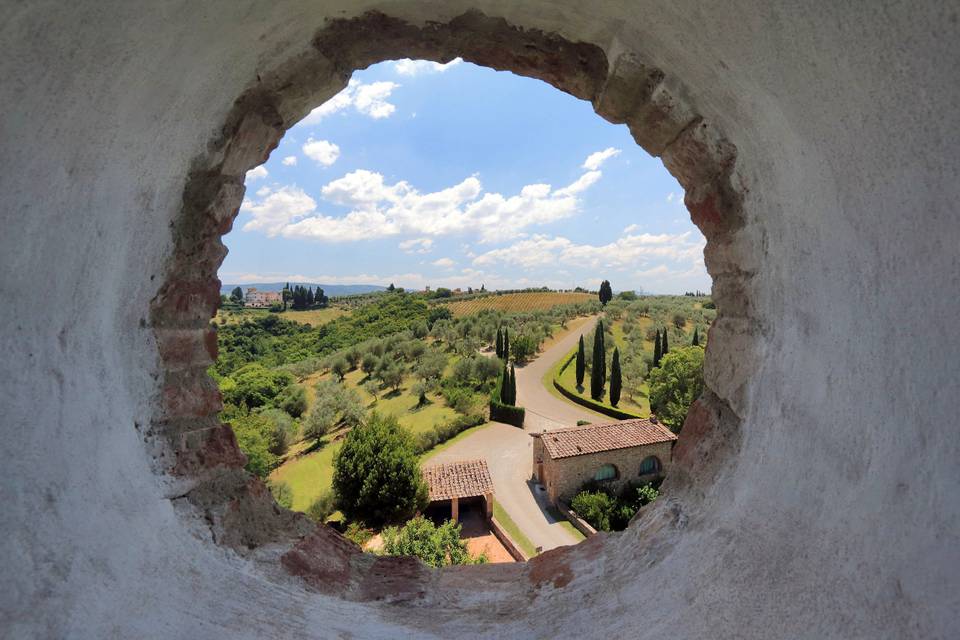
[[457, 175]]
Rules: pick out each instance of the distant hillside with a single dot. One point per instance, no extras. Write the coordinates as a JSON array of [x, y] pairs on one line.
[[330, 290]]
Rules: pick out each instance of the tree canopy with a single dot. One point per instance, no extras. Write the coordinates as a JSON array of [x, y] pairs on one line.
[[436, 546], [376, 473], [675, 384]]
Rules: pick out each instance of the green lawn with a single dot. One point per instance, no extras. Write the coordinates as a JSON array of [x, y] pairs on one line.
[[566, 524], [308, 476], [511, 527], [314, 317], [639, 405]]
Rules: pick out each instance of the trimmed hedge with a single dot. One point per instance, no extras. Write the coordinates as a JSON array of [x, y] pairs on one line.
[[587, 402], [426, 440], [509, 414]]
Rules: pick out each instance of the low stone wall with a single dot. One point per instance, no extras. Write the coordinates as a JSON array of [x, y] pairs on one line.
[[512, 547], [582, 525]]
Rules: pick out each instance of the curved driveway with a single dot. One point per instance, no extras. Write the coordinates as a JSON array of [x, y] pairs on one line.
[[509, 450]]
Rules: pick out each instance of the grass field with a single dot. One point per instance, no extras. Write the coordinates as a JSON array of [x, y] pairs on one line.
[[511, 527], [315, 317], [312, 474], [308, 476], [518, 302]]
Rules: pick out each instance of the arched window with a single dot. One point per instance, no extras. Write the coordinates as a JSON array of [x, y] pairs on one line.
[[606, 472], [650, 464]]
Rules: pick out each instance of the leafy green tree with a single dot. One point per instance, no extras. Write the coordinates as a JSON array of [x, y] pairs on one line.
[[675, 384], [392, 376], [283, 429], [506, 345], [664, 345], [371, 387], [523, 347], [657, 351], [335, 406], [616, 384], [435, 546], [255, 385], [505, 385], [254, 434], [696, 337], [499, 343], [292, 399], [237, 295], [282, 493], [485, 369], [598, 372], [323, 507], [391, 288], [605, 293], [420, 389], [369, 363], [376, 473], [581, 363], [340, 367], [596, 507], [432, 365], [513, 385]]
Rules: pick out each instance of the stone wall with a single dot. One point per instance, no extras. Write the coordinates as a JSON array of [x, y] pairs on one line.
[[564, 477], [818, 149]]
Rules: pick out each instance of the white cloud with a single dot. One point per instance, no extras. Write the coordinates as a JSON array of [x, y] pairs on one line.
[[628, 251], [256, 173], [407, 67], [446, 263], [277, 209], [368, 99], [583, 183], [416, 245], [322, 152], [290, 161], [378, 209], [631, 228], [594, 160]]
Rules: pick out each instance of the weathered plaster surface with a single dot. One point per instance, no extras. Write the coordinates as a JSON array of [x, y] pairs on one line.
[[815, 490]]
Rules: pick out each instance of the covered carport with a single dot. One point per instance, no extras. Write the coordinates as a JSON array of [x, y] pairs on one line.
[[452, 483]]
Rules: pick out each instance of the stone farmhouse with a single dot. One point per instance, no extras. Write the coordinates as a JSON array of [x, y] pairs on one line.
[[260, 299], [634, 450]]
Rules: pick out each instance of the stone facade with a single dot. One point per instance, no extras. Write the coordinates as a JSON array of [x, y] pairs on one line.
[[563, 477]]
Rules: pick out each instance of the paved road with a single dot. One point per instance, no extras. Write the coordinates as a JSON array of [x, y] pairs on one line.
[[509, 450], [545, 410]]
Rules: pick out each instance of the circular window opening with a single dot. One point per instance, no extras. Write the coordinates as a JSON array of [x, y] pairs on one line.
[[241, 511]]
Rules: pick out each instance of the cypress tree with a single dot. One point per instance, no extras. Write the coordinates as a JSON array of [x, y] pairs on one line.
[[513, 386], [505, 385], [664, 347], [696, 338], [615, 380], [657, 352], [506, 344], [309, 297], [499, 343], [581, 363], [597, 371]]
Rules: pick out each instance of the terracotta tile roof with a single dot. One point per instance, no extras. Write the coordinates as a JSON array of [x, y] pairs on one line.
[[458, 480], [593, 438]]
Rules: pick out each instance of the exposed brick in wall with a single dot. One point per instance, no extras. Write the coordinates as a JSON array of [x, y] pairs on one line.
[[187, 440]]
